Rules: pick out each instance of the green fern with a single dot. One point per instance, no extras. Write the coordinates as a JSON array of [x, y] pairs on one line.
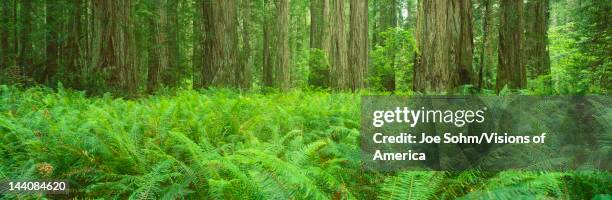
[[412, 185], [222, 144]]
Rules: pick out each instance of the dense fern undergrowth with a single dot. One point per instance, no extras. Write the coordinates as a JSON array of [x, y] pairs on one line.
[[219, 144]]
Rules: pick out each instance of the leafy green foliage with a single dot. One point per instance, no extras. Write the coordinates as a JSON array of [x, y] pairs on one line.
[[215, 145], [412, 185], [319, 69], [569, 74], [580, 47], [219, 144], [392, 61]]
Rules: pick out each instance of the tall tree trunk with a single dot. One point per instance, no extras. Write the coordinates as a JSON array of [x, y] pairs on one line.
[[326, 29], [359, 43], [282, 50], [444, 41], [536, 56], [26, 57], [315, 22], [174, 69], [198, 45], [208, 70], [464, 48], [339, 60], [511, 71], [72, 76], [89, 40], [268, 72], [158, 47], [5, 50], [386, 18], [319, 40], [319, 25], [51, 63], [267, 76], [229, 33], [220, 43], [485, 38], [244, 71], [115, 45], [15, 34], [488, 55]]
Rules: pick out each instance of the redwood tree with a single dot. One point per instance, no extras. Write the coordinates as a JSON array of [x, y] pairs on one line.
[[26, 54], [52, 50], [444, 42], [535, 51], [339, 61], [220, 43], [116, 46], [358, 46], [282, 50], [158, 46], [244, 68], [4, 34], [511, 71]]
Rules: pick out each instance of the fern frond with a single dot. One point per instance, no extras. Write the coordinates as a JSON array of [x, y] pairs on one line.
[[411, 185]]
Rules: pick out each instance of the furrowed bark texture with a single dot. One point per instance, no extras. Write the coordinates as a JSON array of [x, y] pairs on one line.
[[444, 42]]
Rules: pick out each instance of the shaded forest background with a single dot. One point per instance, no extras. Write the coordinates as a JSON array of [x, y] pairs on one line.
[[135, 46]]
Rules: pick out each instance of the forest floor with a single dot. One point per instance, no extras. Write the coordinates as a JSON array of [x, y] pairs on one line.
[[219, 144]]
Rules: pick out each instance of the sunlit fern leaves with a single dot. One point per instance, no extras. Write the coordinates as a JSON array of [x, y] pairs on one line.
[[588, 184], [457, 184], [274, 174], [411, 185], [522, 185], [222, 144], [149, 186]]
